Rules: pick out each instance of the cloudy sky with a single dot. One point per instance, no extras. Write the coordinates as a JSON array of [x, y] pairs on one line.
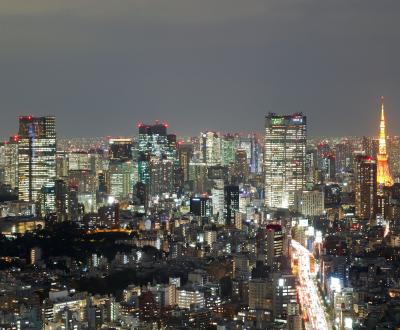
[[100, 66]]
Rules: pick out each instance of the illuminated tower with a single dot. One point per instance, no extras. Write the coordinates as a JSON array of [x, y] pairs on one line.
[[36, 156], [384, 177]]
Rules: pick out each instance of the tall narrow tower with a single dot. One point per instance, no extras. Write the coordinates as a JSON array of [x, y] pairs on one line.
[[384, 177]]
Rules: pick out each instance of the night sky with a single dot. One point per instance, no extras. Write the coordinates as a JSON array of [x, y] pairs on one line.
[[101, 66]]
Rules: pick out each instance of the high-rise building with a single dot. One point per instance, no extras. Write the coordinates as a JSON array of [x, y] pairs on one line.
[[36, 156], [311, 167], [201, 206], [328, 170], [394, 155], [152, 144], [228, 149], [309, 202], [232, 197], [78, 161], [210, 146], [185, 153], [120, 179], [344, 156], [11, 162], [284, 294], [161, 177], [61, 200], [120, 148], [241, 168], [370, 146], [274, 248], [384, 178], [284, 158], [366, 187]]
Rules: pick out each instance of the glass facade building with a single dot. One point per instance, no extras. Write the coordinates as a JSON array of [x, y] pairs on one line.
[[284, 158]]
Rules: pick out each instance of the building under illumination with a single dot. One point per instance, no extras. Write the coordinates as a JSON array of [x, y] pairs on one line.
[[384, 178], [284, 158], [11, 162], [36, 156], [366, 187]]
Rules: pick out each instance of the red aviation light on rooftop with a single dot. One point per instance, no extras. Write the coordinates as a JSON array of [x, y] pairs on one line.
[[15, 138], [165, 125], [26, 117], [139, 124]]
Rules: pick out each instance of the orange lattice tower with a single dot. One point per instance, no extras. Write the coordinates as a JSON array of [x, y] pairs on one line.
[[384, 178]]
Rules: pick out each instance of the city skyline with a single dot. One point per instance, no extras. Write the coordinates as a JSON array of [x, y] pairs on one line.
[[180, 164], [142, 61]]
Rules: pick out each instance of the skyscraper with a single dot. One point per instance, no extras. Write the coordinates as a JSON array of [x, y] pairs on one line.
[[120, 148], [366, 187], [185, 153], [284, 158], [231, 203], [384, 178], [210, 148], [152, 144], [11, 162], [36, 156]]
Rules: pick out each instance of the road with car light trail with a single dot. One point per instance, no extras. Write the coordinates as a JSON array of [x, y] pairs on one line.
[[310, 301]]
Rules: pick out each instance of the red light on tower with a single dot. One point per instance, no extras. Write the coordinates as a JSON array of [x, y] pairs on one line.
[[139, 124], [166, 125]]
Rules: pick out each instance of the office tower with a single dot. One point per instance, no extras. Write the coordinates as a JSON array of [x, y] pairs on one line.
[[46, 200], [323, 149], [228, 149], [210, 148], [309, 202], [241, 168], [36, 156], [274, 242], [11, 162], [62, 165], [218, 202], [284, 294], [260, 295], [61, 200], [394, 155], [162, 177], [311, 167], [218, 173], [120, 179], [185, 153], [198, 176], [370, 146], [344, 156], [201, 206], [231, 207], [74, 209], [152, 144], [78, 161], [170, 151], [120, 148], [141, 194], [241, 266], [366, 187], [284, 158], [384, 178], [328, 170]]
